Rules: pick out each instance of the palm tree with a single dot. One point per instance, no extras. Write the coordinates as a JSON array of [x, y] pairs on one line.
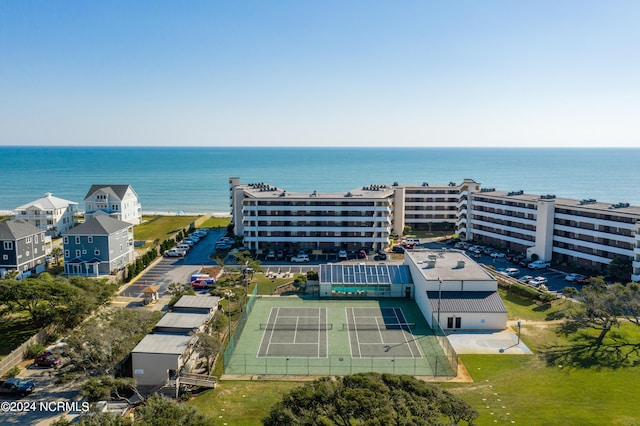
[[56, 252]]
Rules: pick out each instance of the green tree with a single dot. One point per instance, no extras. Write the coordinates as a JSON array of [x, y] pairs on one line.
[[620, 268], [208, 347], [369, 399], [160, 411]]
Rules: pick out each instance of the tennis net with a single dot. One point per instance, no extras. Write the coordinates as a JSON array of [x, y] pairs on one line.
[[382, 327], [276, 326]]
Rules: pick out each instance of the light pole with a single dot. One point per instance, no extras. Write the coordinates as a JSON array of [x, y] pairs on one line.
[[439, 299]]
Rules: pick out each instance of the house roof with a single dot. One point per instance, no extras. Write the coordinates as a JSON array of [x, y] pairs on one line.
[[466, 301], [208, 302], [151, 289], [163, 344], [17, 229], [99, 225], [48, 202], [117, 190]]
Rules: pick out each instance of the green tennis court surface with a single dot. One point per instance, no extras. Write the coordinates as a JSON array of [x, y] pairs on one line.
[[291, 336]]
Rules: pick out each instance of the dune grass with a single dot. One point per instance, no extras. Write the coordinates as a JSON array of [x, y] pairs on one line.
[[161, 227]]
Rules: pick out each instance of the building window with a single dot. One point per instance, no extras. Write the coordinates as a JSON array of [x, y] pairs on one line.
[[27, 253], [96, 252], [84, 252], [65, 240], [8, 245], [90, 239], [35, 239], [67, 254], [5, 257], [77, 240], [77, 253], [28, 240]]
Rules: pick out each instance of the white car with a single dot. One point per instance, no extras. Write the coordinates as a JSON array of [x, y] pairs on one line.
[[342, 254], [574, 277], [183, 246], [538, 264], [497, 254], [174, 252], [300, 258], [525, 279], [538, 281]]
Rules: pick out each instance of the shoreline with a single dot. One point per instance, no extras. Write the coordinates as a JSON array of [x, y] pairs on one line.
[[150, 213]]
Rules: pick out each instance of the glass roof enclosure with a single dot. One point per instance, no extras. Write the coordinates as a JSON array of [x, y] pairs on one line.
[[362, 279]]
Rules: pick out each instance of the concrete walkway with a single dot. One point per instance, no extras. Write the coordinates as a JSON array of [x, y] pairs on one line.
[[500, 342]]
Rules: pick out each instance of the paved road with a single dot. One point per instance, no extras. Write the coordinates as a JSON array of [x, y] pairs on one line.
[[42, 405], [175, 270]]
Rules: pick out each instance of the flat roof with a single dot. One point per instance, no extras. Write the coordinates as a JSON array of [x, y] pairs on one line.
[[182, 320], [363, 273], [466, 301], [264, 190], [163, 344], [450, 265], [204, 302]]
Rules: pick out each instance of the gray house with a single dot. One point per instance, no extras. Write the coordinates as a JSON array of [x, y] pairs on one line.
[[22, 248], [158, 357], [100, 246]]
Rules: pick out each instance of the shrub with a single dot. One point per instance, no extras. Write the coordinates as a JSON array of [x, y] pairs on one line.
[[523, 290], [34, 350], [13, 371]]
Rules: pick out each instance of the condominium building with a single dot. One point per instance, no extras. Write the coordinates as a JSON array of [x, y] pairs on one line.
[[584, 233], [579, 232], [269, 217]]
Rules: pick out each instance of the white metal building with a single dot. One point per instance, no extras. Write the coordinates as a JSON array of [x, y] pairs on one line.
[[455, 291], [157, 355]]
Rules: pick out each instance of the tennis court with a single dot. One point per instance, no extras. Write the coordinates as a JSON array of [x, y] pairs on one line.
[[295, 332], [380, 332], [290, 336]]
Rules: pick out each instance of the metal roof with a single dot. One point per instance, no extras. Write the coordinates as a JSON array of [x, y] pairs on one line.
[[48, 202], [208, 302], [163, 344], [179, 320], [467, 301], [363, 273]]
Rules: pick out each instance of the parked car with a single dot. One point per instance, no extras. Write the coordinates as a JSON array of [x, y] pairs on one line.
[[362, 254], [223, 247], [190, 241], [574, 277], [300, 258], [497, 254], [271, 254], [412, 241], [397, 249], [477, 254], [583, 281], [487, 250], [174, 253], [15, 386], [194, 238], [538, 281], [342, 254], [280, 254], [525, 279], [538, 264], [47, 359], [512, 272], [183, 246], [380, 256]]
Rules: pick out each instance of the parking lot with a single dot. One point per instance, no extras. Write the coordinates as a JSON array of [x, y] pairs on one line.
[[555, 278]]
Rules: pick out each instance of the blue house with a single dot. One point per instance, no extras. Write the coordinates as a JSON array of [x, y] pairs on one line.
[[22, 248], [100, 246]]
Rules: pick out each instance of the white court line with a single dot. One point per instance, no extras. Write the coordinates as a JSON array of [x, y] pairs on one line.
[[379, 331], [295, 332], [263, 336], [403, 332], [272, 330]]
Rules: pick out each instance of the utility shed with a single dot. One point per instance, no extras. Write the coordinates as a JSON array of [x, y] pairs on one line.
[[180, 323], [197, 305], [157, 355]]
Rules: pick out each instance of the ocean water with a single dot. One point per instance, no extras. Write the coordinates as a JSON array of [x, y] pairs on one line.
[[196, 179]]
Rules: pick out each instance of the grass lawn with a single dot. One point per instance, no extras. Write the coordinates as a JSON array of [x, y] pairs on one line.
[[241, 402], [216, 222], [160, 227], [519, 307], [268, 285]]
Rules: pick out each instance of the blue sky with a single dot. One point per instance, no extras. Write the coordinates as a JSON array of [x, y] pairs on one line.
[[320, 73]]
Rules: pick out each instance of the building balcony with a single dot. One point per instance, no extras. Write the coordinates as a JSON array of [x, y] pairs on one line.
[[599, 222], [592, 246], [362, 240], [596, 234]]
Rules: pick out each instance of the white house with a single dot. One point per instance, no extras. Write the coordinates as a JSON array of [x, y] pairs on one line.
[[51, 214], [118, 201]]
